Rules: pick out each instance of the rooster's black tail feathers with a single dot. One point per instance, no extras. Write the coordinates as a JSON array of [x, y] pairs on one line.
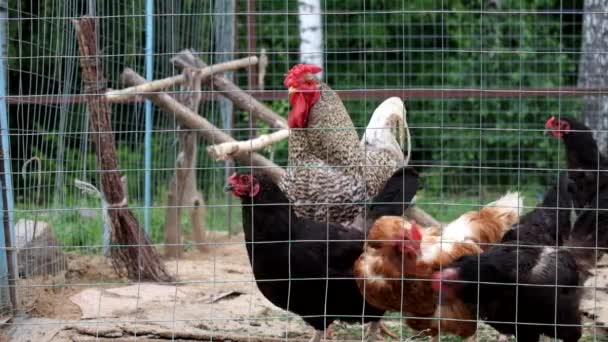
[[396, 195]]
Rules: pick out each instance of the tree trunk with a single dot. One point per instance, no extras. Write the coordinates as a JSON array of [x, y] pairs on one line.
[[593, 66], [311, 32], [183, 191]]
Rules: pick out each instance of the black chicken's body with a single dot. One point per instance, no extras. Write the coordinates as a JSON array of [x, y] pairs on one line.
[[531, 287], [587, 167], [306, 267], [549, 224]]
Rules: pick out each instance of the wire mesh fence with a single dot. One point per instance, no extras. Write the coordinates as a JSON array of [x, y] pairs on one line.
[[478, 79]]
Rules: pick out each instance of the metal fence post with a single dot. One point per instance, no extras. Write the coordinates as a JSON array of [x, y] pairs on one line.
[[224, 49], [148, 115], [8, 261]]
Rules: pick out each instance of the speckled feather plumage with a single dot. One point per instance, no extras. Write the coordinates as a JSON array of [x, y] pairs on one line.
[[380, 165], [324, 178], [323, 193], [330, 171]]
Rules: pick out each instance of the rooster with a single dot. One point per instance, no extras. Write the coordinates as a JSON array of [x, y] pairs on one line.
[[330, 172], [586, 165], [305, 266], [325, 178], [399, 258], [531, 287]]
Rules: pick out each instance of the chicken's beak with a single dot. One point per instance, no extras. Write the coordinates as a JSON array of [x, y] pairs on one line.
[[291, 90], [546, 131], [228, 187]]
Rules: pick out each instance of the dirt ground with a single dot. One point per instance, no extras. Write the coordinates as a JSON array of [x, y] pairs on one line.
[[215, 298]]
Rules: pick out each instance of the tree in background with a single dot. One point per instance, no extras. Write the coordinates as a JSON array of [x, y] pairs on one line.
[[311, 32], [593, 67]]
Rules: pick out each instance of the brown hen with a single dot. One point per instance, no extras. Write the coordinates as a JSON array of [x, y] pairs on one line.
[[400, 257]]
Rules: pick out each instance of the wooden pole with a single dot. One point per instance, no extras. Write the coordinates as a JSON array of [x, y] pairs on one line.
[[231, 91], [183, 191], [132, 251], [208, 131], [123, 95]]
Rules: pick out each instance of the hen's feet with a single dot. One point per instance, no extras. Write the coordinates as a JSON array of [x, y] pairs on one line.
[[317, 336]]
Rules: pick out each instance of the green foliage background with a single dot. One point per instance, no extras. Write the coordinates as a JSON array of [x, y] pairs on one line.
[[467, 146]]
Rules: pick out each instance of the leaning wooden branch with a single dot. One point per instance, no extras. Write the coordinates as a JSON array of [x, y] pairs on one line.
[[208, 131], [227, 150], [132, 250], [241, 99], [130, 330], [158, 85]]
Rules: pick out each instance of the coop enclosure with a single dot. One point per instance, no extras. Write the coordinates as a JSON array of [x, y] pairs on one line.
[[478, 79]]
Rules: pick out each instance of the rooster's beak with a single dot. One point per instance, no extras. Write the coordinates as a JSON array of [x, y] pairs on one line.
[[228, 187], [291, 90]]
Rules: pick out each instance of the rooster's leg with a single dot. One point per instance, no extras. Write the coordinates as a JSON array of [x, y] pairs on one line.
[[385, 330], [372, 331], [317, 336], [329, 332], [375, 327]]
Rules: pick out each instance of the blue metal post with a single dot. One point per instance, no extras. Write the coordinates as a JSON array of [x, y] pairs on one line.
[[148, 119], [224, 48], [7, 198]]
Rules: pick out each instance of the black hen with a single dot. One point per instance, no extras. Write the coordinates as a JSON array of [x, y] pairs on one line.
[[532, 289], [550, 222], [304, 266], [586, 165]]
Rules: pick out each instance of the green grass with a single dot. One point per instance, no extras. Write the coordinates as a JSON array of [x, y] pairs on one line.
[[75, 229], [354, 332]]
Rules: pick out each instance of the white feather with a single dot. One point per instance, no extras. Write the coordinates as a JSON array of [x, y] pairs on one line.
[[389, 115], [510, 201]]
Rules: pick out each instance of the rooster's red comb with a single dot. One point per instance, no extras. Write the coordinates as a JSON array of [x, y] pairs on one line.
[[295, 74]]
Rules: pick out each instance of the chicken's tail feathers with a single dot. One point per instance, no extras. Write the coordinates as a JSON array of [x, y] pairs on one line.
[[396, 195], [508, 207], [388, 128]]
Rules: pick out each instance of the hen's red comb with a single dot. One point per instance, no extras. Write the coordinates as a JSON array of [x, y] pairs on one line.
[[295, 74], [233, 177], [416, 233]]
